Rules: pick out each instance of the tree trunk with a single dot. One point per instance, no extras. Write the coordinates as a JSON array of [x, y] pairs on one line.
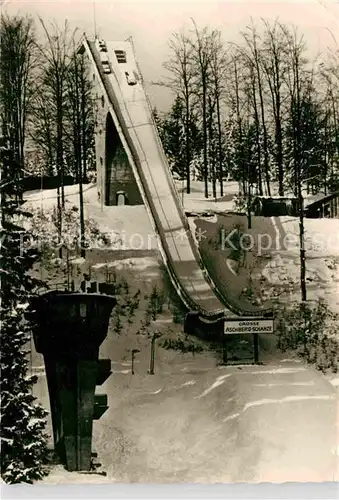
[[257, 131], [59, 145], [187, 144], [299, 186], [220, 166], [278, 136], [302, 249], [278, 140], [241, 147], [82, 165], [204, 122], [211, 148], [263, 122]]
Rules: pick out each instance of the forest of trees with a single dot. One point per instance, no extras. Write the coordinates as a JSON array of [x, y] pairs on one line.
[[46, 99], [46, 105], [261, 112]]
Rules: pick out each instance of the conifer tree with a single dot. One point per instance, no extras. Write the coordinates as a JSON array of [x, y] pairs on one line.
[[22, 432]]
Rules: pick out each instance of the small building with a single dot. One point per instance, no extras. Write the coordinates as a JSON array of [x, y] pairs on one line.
[[275, 206], [327, 206]]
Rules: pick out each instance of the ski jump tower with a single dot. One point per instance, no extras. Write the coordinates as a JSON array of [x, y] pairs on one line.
[[132, 168], [116, 182]]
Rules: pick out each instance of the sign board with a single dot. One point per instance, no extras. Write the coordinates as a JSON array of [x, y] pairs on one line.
[[251, 326]]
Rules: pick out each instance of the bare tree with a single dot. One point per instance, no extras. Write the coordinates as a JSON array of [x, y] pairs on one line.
[[203, 47], [181, 81], [42, 130], [54, 62], [297, 85], [329, 82], [250, 90], [81, 117], [274, 63], [218, 75], [17, 64], [211, 139], [236, 108], [251, 38], [55, 58]]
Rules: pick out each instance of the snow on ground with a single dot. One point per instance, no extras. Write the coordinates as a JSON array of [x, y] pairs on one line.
[[147, 266], [135, 263], [133, 231], [59, 475], [196, 201], [212, 424], [194, 421], [197, 187], [321, 236], [130, 222], [234, 188], [321, 242], [322, 258], [195, 230], [200, 204], [130, 225], [48, 197]]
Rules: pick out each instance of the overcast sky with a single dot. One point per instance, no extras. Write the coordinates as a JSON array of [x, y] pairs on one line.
[[151, 23]]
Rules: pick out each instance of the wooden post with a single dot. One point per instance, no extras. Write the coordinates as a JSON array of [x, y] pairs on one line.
[[134, 351], [249, 207], [256, 347], [155, 336], [151, 368], [224, 349]]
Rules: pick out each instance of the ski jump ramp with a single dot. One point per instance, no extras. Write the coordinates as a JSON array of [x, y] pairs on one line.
[[117, 75]]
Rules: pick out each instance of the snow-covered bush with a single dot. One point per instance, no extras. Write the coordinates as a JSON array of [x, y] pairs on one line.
[[311, 331], [240, 203], [178, 344], [156, 303], [43, 227]]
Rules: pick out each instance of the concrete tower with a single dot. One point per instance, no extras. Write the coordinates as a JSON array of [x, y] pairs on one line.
[[115, 179]]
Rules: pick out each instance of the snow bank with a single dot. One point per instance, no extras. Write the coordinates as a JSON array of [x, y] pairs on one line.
[[322, 259], [49, 196], [198, 204], [198, 188], [128, 225], [59, 475], [321, 236], [136, 263]]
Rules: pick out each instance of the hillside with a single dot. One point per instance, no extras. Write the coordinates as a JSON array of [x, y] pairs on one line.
[[195, 420], [274, 270]]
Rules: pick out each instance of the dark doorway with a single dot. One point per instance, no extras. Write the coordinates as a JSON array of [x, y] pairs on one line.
[[119, 176]]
